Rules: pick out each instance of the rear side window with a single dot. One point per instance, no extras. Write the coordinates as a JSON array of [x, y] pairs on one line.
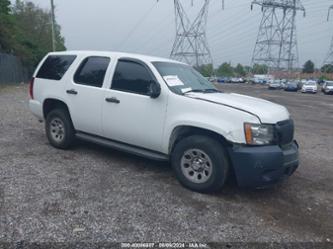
[[55, 67], [131, 77], [92, 71]]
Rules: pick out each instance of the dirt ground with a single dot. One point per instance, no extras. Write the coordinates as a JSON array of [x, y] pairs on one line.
[[91, 193]]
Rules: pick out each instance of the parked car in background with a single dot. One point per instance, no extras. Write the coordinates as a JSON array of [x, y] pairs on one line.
[[213, 79], [291, 87], [310, 87], [327, 88], [242, 80], [221, 80], [237, 80], [274, 85]]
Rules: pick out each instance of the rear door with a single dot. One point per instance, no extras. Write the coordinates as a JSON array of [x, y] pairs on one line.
[[85, 94]]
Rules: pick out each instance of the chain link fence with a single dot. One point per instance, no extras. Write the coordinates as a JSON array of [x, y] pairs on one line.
[[12, 70]]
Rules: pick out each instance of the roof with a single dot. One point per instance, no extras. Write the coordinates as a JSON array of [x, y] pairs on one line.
[[116, 54]]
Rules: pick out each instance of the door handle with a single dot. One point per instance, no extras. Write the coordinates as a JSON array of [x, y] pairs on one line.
[[112, 100], [72, 91]]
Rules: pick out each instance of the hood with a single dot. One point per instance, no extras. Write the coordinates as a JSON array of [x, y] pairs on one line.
[[267, 112]]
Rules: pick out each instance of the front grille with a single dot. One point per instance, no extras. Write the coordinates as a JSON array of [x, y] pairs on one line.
[[285, 132]]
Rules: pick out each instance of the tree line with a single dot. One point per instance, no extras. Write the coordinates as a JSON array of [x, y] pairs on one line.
[[309, 67], [26, 31], [227, 70]]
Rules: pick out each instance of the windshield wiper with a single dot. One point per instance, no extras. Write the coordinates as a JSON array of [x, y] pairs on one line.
[[210, 90]]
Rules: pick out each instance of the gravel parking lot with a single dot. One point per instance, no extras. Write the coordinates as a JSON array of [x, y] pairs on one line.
[[91, 193]]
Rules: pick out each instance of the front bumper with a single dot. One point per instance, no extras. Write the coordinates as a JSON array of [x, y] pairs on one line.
[[328, 91], [309, 90], [291, 89], [265, 165]]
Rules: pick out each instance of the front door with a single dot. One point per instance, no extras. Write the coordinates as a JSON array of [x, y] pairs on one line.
[[130, 115]]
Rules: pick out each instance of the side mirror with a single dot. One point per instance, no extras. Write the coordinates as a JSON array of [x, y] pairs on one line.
[[154, 90]]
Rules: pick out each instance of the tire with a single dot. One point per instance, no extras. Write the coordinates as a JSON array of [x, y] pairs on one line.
[[59, 129], [210, 154]]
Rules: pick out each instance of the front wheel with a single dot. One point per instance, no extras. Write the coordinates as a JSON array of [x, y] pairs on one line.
[[200, 163], [59, 129]]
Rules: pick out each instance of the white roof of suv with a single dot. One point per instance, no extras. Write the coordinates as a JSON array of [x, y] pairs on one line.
[[116, 54]]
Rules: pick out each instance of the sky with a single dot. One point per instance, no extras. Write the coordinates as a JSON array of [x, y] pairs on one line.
[[148, 27]]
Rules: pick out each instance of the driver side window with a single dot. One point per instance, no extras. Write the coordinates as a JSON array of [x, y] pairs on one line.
[[131, 77]]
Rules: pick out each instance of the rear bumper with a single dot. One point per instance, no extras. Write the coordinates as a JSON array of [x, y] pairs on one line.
[[263, 166], [36, 109]]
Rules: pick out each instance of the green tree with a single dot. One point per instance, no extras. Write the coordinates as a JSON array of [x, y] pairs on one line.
[[240, 70], [6, 26], [34, 32], [328, 68], [4, 7], [25, 31], [247, 69], [309, 67], [259, 69], [206, 70], [225, 70]]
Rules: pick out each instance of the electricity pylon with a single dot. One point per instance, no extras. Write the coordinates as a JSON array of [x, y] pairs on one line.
[[191, 44], [276, 44], [329, 57]]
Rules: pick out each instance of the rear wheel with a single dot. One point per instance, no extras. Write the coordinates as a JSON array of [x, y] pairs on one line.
[[200, 163], [59, 129]]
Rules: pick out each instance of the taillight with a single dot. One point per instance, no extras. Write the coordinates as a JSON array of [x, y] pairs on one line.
[[31, 88]]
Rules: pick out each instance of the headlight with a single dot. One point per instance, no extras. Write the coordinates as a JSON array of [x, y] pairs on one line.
[[259, 134]]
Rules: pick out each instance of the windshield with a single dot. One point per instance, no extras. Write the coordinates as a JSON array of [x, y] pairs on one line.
[[182, 78], [329, 84], [310, 83]]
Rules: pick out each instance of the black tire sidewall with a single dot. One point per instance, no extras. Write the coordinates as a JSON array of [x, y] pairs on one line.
[[68, 128], [217, 154]]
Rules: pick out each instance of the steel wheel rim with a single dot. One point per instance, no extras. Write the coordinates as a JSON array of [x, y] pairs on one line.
[[57, 130], [196, 166]]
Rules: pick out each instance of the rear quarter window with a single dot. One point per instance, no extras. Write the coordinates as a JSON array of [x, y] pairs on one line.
[[55, 67], [92, 71]]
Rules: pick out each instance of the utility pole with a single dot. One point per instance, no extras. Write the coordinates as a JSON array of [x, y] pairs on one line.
[[191, 44], [276, 44], [53, 27], [329, 58]]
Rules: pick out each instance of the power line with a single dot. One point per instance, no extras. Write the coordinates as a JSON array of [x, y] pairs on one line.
[[132, 31], [276, 44]]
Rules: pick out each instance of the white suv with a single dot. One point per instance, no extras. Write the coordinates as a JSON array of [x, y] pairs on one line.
[[163, 110]]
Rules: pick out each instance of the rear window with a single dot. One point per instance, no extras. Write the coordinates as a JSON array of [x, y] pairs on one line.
[[92, 71], [55, 67]]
